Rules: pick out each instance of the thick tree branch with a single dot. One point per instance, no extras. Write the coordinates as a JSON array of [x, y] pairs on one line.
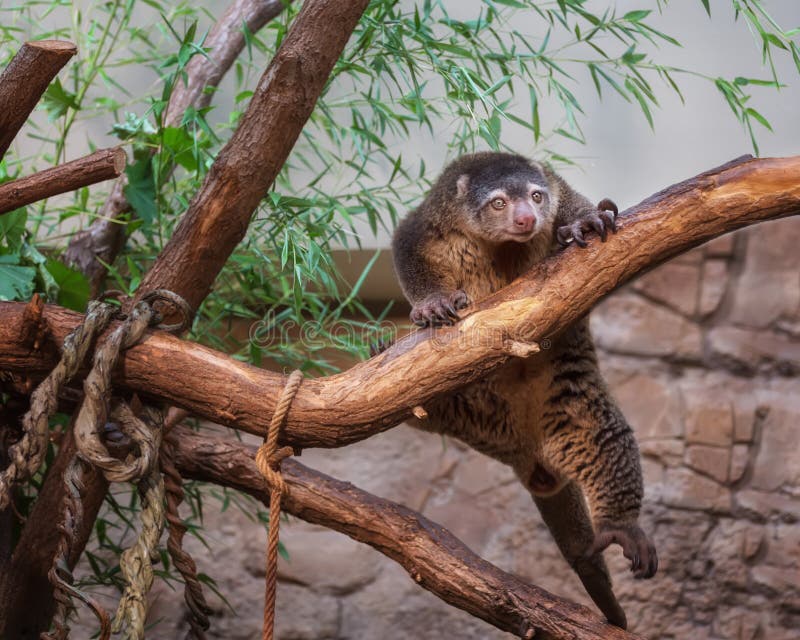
[[98, 245], [26, 603], [433, 557], [377, 394], [96, 167], [24, 81], [219, 215]]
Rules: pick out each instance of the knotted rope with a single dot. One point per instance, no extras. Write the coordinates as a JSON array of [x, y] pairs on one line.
[[27, 454], [145, 432], [268, 459]]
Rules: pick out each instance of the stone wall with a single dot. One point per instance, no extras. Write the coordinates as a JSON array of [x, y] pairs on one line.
[[703, 355]]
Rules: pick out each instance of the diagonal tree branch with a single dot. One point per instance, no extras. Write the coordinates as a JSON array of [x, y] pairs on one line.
[[377, 394], [224, 42], [433, 557], [219, 215], [92, 248], [24, 81]]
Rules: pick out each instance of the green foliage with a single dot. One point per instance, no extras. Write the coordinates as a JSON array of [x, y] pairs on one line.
[[411, 70]]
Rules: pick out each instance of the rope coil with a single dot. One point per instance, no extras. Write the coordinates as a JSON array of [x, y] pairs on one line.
[[145, 432], [268, 460]]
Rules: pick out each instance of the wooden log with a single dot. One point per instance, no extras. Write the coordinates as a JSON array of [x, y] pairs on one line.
[[219, 215], [377, 394], [96, 167], [433, 557], [24, 80]]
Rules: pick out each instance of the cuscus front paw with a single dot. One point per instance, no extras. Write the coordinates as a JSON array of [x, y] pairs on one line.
[[439, 309], [600, 220], [636, 547]]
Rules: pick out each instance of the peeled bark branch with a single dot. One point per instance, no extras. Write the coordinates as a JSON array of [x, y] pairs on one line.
[[96, 167], [98, 245], [225, 41], [219, 215], [377, 394], [24, 81], [433, 557]]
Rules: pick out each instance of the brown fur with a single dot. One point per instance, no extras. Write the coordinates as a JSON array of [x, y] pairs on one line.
[[550, 417]]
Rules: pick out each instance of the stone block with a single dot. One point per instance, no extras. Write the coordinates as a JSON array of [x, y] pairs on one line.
[[627, 323], [769, 285], [652, 406], [745, 351], [713, 286], [709, 460], [740, 459], [777, 462], [709, 415], [668, 452], [685, 489], [675, 284], [324, 560], [769, 504], [721, 247]]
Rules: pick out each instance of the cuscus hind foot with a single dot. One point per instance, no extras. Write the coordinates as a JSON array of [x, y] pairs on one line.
[[636, 547]]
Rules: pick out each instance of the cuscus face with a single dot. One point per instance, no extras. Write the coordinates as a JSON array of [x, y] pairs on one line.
[[507, 201]]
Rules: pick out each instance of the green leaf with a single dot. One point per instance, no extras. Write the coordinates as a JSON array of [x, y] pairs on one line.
[[12, 229], [16, 281], [637, 16], [57, 100], [73, 287], [707, 6], [141, 189]]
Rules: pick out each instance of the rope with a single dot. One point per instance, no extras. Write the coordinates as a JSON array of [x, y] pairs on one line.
[[268, 459], [183, 561], [95, 411], [136, 562], [27, 454], [60, 575]]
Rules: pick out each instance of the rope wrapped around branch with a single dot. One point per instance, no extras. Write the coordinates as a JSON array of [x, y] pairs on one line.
[[145, 433], [27, 455], [268, 459]]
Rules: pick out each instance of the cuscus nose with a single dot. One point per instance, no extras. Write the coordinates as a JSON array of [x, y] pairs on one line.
[[524, 223], [524, 217]]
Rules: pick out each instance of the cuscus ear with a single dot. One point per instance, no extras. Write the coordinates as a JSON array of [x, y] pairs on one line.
[[462, 184]]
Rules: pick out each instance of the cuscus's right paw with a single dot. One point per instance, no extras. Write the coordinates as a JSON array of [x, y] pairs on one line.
[[600, 220], [636, 547], [439, 309]]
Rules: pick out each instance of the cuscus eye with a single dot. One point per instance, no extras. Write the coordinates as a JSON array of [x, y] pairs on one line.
[[498, 203], [537, 196]]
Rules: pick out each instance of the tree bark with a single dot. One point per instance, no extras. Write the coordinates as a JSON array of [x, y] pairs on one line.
[[92, 248], [375, 395], [96, 167], [219, 215], [24, 81], [225, 42], [245, 168], [26, 602], [433, 557]]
